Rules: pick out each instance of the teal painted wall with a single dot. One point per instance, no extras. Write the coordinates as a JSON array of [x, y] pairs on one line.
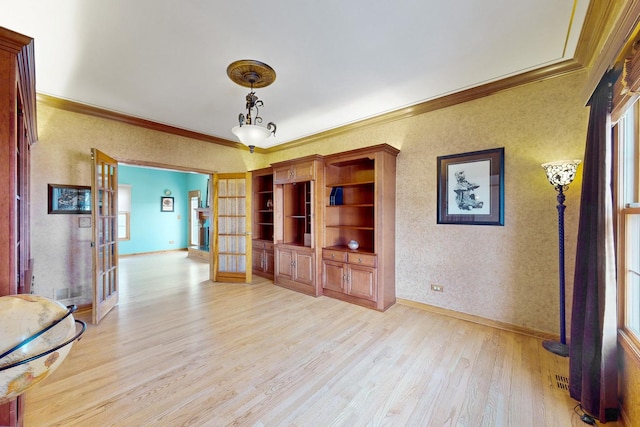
[[152, 230]]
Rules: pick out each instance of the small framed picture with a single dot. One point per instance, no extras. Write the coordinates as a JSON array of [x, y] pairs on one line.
[[69, 199], [166, 204], [471, 188]]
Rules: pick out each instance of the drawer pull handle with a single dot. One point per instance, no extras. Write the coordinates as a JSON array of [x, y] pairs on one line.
[[360, 260], [333, 255]]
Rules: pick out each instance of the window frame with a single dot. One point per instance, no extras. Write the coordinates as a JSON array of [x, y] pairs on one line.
[[629, 338]]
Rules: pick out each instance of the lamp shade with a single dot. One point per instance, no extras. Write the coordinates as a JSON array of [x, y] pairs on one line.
[[562, 172], [253, 135]]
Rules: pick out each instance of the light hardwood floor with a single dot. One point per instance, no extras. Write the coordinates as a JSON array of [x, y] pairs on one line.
[[180, 350]]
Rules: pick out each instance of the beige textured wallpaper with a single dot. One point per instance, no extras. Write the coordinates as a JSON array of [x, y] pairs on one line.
[[508, 274], [61, 248]]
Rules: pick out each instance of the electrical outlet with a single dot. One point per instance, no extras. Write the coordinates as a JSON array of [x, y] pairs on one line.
[[171, 242], [437, 288]]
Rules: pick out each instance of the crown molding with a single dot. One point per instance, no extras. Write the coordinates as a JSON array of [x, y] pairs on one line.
[[21, 47], [608, 28], [470, 94], [12, 41], [77, 107], [467, 95]]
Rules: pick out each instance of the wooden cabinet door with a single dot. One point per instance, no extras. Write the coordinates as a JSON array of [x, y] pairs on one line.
[[303, 267], [302, 171], [362, 282], [333, 275], [257, 259], [282, 175], [284, 263], [268, 262], [296, 172]]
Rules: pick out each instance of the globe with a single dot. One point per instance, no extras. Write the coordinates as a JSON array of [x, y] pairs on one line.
[[36, 335]]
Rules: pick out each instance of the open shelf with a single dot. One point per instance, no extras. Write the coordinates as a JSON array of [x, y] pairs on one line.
[[297, 213], [263, 205]]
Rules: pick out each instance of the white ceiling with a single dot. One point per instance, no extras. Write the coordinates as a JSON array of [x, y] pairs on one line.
[[337, 61]]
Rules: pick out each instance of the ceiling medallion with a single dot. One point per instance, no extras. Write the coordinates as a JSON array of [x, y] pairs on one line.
[[252, 74]]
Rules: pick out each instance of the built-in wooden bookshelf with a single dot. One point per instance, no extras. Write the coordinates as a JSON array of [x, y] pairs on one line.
[[263, 204], [298, 223], [263, 222], [18, 131], [322, 204], [360, 206]]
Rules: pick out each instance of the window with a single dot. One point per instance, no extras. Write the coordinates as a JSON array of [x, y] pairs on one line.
[[627, 140], [124, 211], [123, 226]]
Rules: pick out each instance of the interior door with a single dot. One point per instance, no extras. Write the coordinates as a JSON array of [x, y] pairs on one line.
[[104, 212], [232, 233]]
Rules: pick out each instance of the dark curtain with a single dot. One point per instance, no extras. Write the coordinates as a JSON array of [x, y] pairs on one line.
[[593, 371]]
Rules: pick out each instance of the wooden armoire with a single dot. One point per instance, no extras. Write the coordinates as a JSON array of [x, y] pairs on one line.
[[17, 133]]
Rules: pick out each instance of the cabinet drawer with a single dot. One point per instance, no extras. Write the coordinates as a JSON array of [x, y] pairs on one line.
[[362, 259], [340, 256], [259, 244]]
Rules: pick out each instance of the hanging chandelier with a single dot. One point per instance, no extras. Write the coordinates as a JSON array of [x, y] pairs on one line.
[[252, 74]]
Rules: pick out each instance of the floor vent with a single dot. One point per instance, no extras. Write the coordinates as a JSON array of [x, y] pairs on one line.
[[561, 382]]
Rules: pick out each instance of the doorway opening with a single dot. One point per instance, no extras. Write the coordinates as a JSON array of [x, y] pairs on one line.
[[169, 210]]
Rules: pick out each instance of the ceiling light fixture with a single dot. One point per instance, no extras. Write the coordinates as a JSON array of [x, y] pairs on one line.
[[252, 74]]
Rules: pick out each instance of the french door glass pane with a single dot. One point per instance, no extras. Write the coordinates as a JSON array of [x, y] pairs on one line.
[[231, 225]]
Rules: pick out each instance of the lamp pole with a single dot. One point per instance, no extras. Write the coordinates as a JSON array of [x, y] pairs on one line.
[[560, 348]]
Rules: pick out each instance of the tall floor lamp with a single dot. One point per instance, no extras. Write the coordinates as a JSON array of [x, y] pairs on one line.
[[560, 174]]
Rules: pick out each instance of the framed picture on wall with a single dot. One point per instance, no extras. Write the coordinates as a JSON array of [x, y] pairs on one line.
[[471, 188], [69, 199], [166, 204]]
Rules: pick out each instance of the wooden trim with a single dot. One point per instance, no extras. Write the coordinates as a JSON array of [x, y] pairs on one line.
[[22, 47], [131, 162], [153, 252], [593, 31], [479, 320], [629, 339], [83, 309], [77, 107], [607, 46], [12, 41], [470, 94], [630, 346], [27, 86]]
